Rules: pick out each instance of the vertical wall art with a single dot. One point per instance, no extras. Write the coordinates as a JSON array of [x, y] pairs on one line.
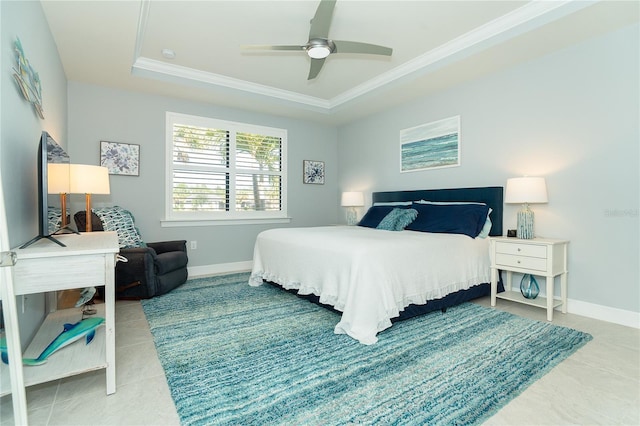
[[28, 80], [430, 146], [313, 171], [120, 158]]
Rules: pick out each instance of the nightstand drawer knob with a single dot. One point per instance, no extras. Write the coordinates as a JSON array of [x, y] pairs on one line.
[[519, 249]]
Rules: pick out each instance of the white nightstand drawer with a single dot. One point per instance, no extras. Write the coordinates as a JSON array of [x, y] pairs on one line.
[[522, 249], [517, 261]]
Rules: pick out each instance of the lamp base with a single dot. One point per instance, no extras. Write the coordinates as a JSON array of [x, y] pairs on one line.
[[352, 217], [525, 223], [63, 208], [89, 224]]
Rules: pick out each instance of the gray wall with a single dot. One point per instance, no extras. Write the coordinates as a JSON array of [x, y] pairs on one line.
[[99, 113], [20, 128], [571, 117]]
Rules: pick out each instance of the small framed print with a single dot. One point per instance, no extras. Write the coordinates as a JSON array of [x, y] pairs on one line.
[[313, 172], [120, 158]]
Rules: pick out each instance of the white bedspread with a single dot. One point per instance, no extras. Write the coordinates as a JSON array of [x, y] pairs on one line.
[[370, 275]]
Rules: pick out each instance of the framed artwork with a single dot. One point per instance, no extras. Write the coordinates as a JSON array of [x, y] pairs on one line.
[[313, 172], [430, 146], [120, 158]]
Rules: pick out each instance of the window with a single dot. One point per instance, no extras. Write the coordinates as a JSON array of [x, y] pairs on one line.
[[222, 170]]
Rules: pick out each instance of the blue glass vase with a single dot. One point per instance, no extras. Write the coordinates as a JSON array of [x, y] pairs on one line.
[[529, 286]]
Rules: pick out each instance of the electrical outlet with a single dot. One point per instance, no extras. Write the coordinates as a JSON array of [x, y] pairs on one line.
[[194, 245]]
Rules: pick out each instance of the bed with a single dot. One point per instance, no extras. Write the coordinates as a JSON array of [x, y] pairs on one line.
[[375, 277]]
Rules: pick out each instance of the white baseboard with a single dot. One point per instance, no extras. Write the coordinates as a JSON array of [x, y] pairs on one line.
[[220, 268], [604, 313], [577, 307]]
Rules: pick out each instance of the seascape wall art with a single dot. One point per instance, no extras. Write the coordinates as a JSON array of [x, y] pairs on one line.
[[429, 146]]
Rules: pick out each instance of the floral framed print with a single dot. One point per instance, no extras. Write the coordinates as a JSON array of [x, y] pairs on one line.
[[430, 146], [120, 158], [313, 172]]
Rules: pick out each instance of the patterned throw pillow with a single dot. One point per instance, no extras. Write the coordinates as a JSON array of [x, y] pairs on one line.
[[122, 221], [398, 219]]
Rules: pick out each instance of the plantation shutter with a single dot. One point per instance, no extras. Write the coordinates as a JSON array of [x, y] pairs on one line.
[[258, 166], [200, 175], [226, 168]]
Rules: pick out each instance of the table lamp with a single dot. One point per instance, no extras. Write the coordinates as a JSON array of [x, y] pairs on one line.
[[351, 200], [87, 179], [58, 183], [525, 191]]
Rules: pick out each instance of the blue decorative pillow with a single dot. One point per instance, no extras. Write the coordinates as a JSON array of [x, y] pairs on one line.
[[467, 219], [122, 222], [486, 229], [397, 219], [374, 215]]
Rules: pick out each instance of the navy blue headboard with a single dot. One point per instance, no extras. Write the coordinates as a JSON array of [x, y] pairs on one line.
[[491, 195]]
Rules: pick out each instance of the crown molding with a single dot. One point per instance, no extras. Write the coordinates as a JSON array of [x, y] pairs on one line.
[[179, 74], [526, 18]]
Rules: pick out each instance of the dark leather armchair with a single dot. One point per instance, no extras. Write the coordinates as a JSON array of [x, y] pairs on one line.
[[150, 271]]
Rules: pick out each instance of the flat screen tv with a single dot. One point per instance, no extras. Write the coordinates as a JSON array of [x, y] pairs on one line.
[[52, 162]]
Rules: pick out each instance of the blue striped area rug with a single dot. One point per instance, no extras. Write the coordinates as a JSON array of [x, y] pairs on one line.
[[235, 354]]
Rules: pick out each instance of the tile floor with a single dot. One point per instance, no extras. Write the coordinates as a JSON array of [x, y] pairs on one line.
[[599, 384]]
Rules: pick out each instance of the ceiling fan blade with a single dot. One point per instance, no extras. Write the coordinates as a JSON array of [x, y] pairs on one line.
[[271, 47], [357, 47], [322, 19], [316, 66]]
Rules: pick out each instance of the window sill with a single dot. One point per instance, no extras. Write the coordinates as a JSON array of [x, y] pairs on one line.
[[172, 223]]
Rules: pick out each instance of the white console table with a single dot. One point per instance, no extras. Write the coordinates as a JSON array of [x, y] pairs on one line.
[[88, 260]]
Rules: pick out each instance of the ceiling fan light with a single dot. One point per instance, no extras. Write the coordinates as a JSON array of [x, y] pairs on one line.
[[318, 52]]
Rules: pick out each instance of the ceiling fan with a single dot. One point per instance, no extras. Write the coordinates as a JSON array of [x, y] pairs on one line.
[[319, 45]]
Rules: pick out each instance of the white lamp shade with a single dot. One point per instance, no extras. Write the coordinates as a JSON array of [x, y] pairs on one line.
[[352, 199], [87, 179], [526, 190], [58, 178]]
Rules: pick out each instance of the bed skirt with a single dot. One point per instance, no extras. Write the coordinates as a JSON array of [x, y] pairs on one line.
[[412, 310]]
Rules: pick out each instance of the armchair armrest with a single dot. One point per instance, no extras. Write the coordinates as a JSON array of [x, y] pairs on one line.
[[167, 246], [138, 252], [139, 269]]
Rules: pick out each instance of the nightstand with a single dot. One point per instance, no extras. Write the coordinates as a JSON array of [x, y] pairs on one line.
[[539, 256]]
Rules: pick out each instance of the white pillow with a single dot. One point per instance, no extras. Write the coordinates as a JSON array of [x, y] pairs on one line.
[[444, 203], [392, 203], [487, 226]]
